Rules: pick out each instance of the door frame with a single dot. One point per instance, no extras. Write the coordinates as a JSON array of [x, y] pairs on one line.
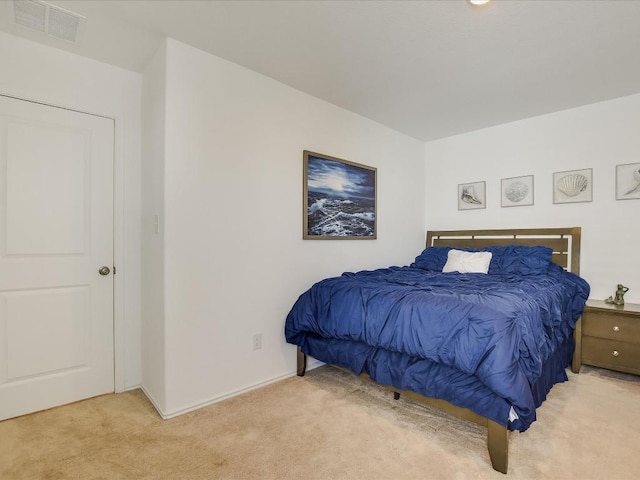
[[119, 340]]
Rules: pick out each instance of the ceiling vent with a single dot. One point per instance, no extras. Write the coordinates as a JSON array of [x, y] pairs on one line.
[[48, 19]]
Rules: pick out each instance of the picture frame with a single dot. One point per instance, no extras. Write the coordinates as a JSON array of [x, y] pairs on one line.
[[517, 191], [628, 181], [339, 199], [573, 186], [472, 195]]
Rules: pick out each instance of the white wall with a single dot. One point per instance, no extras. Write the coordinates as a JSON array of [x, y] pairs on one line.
[[598, 136], [153, 136], [235, 260], [36, 72]]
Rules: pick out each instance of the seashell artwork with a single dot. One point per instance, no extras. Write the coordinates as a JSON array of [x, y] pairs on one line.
[[469, 195], [516, 191], [628, 181], [573, 184], [636, 179]]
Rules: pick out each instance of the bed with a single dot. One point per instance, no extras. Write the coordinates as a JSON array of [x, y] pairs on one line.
[[484, 345]]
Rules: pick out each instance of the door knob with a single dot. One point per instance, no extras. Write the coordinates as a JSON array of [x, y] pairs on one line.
[[104, 270]]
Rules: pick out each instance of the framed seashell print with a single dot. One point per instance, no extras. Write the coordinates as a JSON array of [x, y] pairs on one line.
[[628, 181], [472, 196], [517, 191], [573, 186]]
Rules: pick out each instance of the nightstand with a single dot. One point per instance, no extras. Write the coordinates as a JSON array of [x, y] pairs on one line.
[[608, 336]]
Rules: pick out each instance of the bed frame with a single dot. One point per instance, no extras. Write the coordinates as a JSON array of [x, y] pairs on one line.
[[565, 243]]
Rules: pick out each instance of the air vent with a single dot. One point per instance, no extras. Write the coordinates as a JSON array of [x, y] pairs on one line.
[[48, 19]]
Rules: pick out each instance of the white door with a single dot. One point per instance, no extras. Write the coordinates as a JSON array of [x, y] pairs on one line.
[[56, 232]]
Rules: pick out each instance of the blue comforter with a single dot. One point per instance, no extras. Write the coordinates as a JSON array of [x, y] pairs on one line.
[[478, 341]]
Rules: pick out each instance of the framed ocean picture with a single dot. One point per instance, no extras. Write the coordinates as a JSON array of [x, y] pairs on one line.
[[339, 199]]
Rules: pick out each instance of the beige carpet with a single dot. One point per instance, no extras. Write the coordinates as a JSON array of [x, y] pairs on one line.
[[327, 425]]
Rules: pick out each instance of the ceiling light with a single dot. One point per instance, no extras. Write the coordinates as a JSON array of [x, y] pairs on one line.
[[478, 2]]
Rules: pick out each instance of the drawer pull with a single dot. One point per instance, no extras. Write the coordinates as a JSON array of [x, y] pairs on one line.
[[615, 353], [616, 328]]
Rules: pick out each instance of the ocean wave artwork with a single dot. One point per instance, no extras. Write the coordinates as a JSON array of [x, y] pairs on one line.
[[341, 199], [336, 217]]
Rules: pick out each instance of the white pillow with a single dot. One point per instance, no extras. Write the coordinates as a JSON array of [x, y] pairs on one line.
[[467, 262]]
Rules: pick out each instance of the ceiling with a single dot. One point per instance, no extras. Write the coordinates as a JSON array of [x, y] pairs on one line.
[[429, 69]]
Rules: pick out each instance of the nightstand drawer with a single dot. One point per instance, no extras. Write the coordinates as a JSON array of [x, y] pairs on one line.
[[611, 325], [616, 355]]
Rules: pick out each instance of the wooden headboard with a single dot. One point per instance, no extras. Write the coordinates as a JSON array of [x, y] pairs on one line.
[[565, 242]]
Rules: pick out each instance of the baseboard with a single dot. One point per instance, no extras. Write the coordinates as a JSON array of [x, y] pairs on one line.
[[313, 363], [167, 415], [153, 402]]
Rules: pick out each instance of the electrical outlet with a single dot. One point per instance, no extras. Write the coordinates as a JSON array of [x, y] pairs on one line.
[[257, 341]]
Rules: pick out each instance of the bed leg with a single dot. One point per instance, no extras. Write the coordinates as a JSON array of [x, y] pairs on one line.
[[576, 361], [302, 363], [396, 396], [498, 444]]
